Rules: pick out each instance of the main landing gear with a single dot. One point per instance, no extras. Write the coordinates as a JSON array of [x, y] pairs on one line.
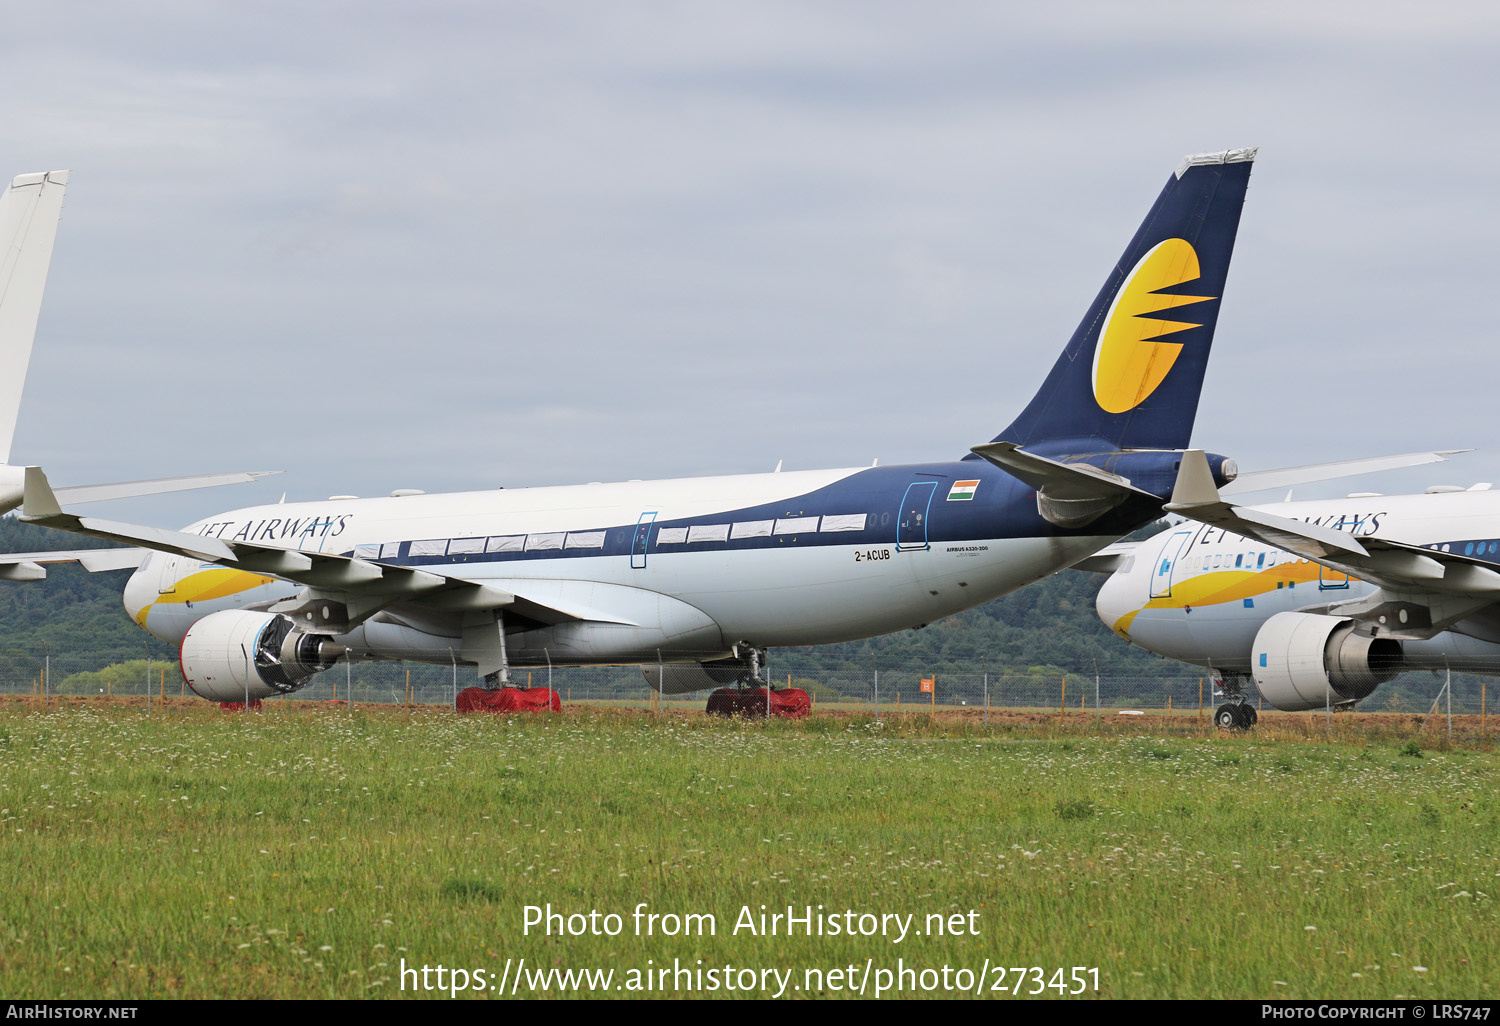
[[1236, 713], [484, 643], [753, 697]]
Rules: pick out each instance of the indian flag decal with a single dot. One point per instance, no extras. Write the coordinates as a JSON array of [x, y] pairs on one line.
[[962, 491]]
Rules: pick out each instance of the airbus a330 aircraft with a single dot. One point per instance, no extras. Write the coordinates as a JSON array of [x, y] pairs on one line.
[[1318, 602], [30, 208], [715, 570]]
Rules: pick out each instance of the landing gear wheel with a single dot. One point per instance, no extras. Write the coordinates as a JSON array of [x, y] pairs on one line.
[[1249, 716], [1227, 717]]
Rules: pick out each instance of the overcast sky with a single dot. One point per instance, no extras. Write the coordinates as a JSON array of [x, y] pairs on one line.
[[455, 245]]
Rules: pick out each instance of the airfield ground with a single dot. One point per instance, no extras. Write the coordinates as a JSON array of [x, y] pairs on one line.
[[308, 850]]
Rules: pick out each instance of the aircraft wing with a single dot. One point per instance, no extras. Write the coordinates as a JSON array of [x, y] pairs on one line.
[[73, 495], [340, 591], [31, 566], [13, 486], [1286, 477], [1424, 588]]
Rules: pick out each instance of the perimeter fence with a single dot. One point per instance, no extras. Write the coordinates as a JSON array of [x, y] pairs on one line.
[[1411, 698]]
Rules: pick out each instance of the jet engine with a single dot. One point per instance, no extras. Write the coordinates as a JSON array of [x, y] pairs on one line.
[[229, 655], [1307, 661]]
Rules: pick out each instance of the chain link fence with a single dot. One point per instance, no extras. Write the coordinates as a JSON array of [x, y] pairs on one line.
[[1411, 699]]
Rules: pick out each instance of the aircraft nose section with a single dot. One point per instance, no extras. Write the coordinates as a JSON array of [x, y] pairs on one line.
[[140, 593], [1114, 605]]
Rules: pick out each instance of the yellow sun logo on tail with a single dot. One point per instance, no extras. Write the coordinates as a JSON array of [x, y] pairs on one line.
[[1129, 362]]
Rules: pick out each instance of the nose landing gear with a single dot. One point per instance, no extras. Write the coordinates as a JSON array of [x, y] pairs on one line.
[[1236, 713], [1235, 716]]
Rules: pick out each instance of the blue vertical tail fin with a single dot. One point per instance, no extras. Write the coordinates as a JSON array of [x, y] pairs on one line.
[[1131, 375]]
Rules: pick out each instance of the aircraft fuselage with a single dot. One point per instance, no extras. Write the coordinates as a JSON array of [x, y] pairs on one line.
[[681, 568]]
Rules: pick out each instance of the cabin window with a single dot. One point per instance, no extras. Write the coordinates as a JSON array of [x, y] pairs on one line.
[[708, 533], [671, 536], [796, 525], [752, 529], [584, 540], [844, 522]]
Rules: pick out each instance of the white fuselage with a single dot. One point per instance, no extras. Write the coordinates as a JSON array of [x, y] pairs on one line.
[[1200, 594], [669, 569]]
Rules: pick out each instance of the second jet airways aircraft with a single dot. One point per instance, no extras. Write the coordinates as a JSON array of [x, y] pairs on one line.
[[715, 570], [1317, 602]]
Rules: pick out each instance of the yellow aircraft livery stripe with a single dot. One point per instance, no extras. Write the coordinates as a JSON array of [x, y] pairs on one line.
[[1226, 586], [205, 586]]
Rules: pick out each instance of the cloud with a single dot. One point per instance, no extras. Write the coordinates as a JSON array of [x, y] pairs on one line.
[[378, 245]]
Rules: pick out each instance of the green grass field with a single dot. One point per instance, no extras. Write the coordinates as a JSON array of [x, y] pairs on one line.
[[307, 851]]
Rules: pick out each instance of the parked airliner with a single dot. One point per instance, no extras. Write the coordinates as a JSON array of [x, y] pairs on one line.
[[1317, 602], [715, 570]]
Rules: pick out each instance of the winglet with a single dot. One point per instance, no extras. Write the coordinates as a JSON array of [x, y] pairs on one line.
[[39, 500], [1195, 496], [1195, 481]]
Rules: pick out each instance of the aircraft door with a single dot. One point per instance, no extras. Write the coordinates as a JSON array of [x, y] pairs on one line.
[[1328, 578], [166, 573], [911, 525], [641, 540], [1166, 564]]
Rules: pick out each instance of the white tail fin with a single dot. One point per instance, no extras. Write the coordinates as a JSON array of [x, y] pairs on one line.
[[29, 211]]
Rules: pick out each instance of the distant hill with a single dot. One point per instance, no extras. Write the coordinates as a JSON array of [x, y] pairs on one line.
[[74, 615]]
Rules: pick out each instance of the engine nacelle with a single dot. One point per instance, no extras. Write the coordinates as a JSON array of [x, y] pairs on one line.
[[1305, 660], [229, 655]]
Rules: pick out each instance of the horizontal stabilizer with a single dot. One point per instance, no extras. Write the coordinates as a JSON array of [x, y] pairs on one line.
[[1064, 480], [1067, 494], [1287, 477]]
